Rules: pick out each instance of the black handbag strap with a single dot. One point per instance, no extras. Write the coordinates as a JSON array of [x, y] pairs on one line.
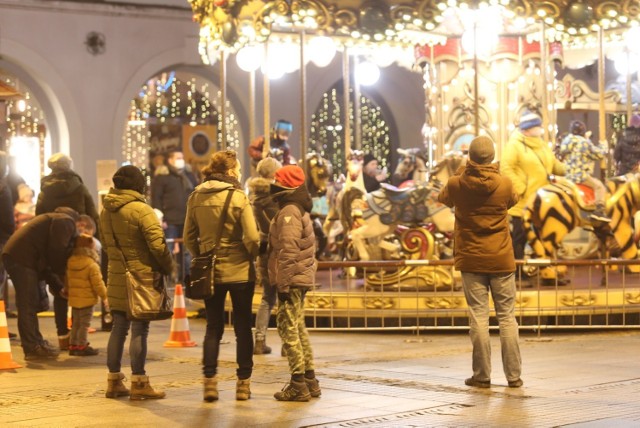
[[223, 218]]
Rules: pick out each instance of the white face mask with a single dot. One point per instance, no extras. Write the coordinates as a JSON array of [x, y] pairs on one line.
[[178, 163]]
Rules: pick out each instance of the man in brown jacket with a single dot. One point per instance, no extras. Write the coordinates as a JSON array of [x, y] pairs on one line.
[[484, 255]]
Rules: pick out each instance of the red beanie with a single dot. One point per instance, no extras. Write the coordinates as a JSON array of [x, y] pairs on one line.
[[290, 176]]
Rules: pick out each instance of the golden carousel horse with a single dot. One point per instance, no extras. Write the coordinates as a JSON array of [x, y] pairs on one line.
[[557, 208], [318, 173]]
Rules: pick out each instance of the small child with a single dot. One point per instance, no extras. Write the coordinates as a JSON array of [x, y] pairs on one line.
[[86, 225], [84, 286]]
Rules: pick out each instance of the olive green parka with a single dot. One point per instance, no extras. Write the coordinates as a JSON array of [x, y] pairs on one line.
[[137, 229], [240, 238]]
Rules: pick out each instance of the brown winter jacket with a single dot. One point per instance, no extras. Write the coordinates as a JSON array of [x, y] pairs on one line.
[[292, 243], [481, 198], [239, 243]]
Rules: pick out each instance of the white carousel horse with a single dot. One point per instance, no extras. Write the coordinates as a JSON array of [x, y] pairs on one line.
[[411, 168]]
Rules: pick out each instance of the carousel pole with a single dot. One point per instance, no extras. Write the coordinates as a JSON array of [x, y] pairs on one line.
[[252, 104], [266, 148], [629, 94], [476, 104], [602, 119], [303, 104], [544, 58], [223, 99], [356, 109], [346, 88]]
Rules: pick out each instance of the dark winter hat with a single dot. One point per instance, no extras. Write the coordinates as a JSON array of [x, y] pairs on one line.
[[267, 167], [481, 150], [290, 176], [577, 127], [529, 120], [635, 121], [129, 177], [59, 162], [368, 158]]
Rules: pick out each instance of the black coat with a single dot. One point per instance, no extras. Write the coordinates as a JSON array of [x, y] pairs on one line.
[[7, 219], [627, 151], [170, 190], [43, 244], [65, 189]]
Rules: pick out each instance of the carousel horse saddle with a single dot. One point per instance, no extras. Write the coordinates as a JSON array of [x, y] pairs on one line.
[[395, 205], [584, 195], [396, 194]]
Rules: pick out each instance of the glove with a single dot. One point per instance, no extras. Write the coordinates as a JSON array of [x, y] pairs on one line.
[[284, 297]]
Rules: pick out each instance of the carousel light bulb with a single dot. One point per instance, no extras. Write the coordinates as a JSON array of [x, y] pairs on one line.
[[367, 73], [22, 105], [249, 58], [322, 49]]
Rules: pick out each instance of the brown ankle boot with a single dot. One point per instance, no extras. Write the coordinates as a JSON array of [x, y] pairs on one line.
[[210, 389], [115, 386], [243, 389], [63, 342], [142, 390]]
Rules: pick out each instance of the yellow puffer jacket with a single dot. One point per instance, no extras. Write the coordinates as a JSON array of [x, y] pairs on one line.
[[84, 280]]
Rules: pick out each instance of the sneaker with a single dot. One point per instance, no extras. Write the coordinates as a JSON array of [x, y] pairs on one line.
[[477, 383], [515, 383], [85, 351], [314, 387], [293, 391], [41, 353]]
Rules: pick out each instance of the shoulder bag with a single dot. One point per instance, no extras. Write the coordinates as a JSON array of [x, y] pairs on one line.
[[147, 295], [200, 282]]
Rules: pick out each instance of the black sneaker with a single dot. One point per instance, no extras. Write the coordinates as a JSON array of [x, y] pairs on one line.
[[87, 351], [41, 353]]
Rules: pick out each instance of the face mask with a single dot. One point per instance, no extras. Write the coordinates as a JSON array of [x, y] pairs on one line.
[[178, 163]]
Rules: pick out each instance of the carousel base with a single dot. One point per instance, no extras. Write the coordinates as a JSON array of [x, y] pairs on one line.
[[587, 299]]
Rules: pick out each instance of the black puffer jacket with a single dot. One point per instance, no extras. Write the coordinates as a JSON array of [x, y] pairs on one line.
[[65, 189], [627, 151], [170, 190], [292, 242]]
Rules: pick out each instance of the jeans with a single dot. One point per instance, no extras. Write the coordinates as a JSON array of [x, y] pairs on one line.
[[268, 299], [183, 258], [26, 285], [293, 332], [502, 287], [80, 327], [241, 301], [137, 344]]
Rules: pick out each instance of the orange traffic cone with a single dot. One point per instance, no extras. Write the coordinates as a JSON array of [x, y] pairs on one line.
[[6, 361], [179, 337]]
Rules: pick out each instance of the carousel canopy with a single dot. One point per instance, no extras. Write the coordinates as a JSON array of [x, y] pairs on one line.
[[231, 24]]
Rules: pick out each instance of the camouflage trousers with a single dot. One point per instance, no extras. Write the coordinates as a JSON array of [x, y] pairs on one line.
[[293, 332]]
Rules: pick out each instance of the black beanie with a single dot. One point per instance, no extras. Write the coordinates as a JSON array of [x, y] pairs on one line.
[[129, 177]]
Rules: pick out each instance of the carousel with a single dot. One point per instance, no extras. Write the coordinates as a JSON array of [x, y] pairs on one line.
[[386, 255]]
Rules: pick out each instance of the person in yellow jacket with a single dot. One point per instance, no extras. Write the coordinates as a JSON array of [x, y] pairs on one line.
[[84, 285], [528, 162]]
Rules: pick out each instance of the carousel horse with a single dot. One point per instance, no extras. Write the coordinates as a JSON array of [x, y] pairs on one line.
[[411, 168], [557, 208], [447, 167], [319, 171]]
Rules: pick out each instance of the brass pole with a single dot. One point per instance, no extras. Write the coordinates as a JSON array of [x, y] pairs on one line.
[[223, 99], [629, 94], [476, 104], [544, 58], [346, 80], [252, 104], [303, 104], [356, 108], [265, 103], [602, 119]]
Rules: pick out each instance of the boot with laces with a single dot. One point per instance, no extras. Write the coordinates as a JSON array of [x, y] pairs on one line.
[[210, 389], [243, 389], [115, 386], [293, 391], [142, 390], [314, 387]]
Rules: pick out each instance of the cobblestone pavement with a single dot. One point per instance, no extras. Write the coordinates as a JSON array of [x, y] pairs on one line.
[[575, 379]]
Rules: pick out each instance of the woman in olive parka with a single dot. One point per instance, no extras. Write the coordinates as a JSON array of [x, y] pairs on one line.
[[130, 231]]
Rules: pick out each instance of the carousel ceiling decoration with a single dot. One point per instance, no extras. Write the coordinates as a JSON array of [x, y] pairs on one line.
[[228, 25]]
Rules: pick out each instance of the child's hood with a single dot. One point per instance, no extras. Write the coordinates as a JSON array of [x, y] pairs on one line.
[[81, 258]]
